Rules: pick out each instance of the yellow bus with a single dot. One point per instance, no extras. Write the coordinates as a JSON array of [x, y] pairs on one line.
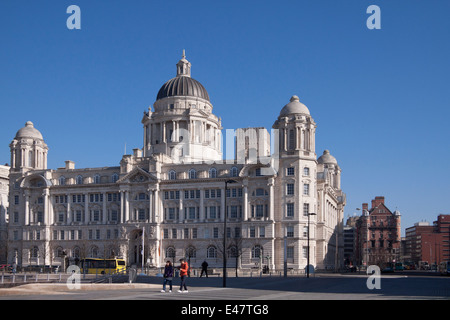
[[102, 266]]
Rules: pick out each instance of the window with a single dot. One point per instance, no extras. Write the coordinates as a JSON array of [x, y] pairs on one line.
[[97, 179], [192, 174], [290, 171], [114, 178], [258, 172], [259, 210], [306, 189], [305, 231], [172, 175], [256, 252], [211, 252], [260, 192], [170, 252], [252, 232], [213, 173], [234, 172], [305, 209], [79, 180], [262, 232], [305, 252], [306, 171], [290, 231], [289, 209], [290, 189], [62, 181]]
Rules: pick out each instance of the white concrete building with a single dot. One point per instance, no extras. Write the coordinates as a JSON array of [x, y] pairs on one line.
[[174, 188]]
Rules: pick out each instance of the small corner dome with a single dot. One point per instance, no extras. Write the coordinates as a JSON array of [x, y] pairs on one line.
[[294, 106], [29, 131], [326, 157], [397, 213]]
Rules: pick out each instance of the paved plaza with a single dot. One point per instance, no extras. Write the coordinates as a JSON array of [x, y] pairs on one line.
[[326, 287]]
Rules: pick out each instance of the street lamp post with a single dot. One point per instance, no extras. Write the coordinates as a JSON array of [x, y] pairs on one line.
[[307, 261], [224, 276]]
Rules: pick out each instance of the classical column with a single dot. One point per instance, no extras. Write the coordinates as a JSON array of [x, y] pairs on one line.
[[202, 208], [86, 208], [127, 206], [271, 199], [27, 207], [245, 209], [105, 214], [69, 213], [150, 208], [122, 203], [46, 206]]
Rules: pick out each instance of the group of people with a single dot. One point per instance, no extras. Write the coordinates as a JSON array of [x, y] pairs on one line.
[[184, 268]]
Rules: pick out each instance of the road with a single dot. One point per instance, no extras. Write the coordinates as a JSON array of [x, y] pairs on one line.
[[319, 287]]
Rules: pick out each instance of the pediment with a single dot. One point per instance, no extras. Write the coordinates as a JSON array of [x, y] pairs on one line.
[[137, 175]]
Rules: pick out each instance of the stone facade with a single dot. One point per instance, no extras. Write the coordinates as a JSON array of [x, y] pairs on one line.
[[174, 188]]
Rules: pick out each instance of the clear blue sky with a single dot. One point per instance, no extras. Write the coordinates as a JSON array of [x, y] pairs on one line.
[[380, 98]]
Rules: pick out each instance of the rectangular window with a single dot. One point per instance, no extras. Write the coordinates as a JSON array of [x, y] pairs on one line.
[[259, 210], [262, 232], [290, 231], [192, 213], [290, 189], [290, 252], [290, 171], [216, 233], [306, 189], [289, 210], [305, 209], [212, 212], [252, 232]]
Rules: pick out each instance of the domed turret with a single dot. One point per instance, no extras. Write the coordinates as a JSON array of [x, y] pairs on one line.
[[327, 158], [183, 84], [294, 107], [28, 149], [29, 131]]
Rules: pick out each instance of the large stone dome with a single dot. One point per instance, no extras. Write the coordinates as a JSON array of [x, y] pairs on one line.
[[294, 107], [29, 131], [183, 84], [327, 158]]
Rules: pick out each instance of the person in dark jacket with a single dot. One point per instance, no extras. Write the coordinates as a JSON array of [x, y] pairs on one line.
[[204, 269], [168, 276]]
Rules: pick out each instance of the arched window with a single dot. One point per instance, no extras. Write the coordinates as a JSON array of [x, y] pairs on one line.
[[114, 178], [97, 179], [211, 252], [172, 175], [34, 252], [170, 253], [233, 252], [257, 252], [234, 172], [62, 181], [192, 174], [94, 252], [213, 173], [79, 180], [191, 252]]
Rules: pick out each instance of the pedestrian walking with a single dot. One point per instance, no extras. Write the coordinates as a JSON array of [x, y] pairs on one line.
[[204, 269], [183, 273], [168, 276]]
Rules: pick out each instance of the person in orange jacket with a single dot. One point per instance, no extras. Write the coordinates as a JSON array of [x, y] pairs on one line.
[[183, 273]]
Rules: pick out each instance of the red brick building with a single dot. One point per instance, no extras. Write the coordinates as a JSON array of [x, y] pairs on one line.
[[429, 243], [378, 234]]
